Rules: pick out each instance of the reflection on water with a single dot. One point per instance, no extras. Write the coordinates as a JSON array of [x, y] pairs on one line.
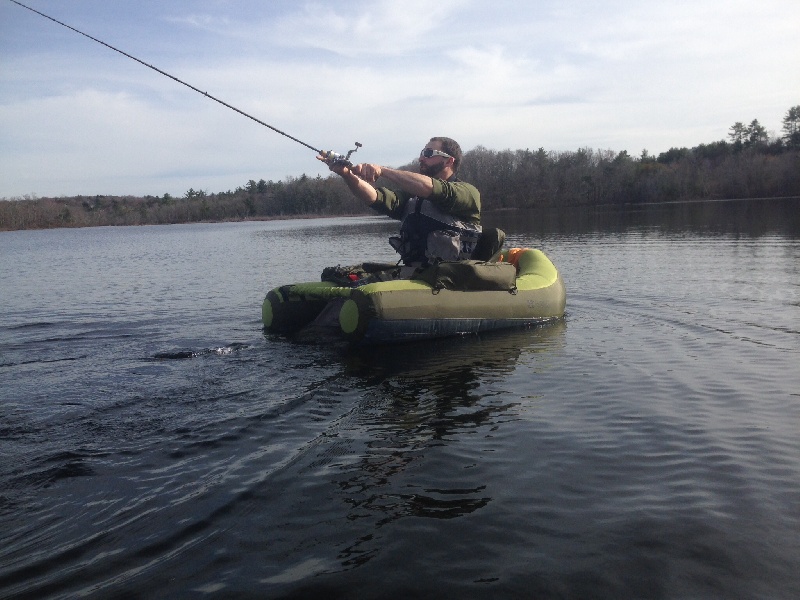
[[460, 360], [750, 218], [429, 396], [412, 446]]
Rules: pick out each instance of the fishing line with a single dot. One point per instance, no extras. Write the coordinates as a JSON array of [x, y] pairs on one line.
[[330, 155]]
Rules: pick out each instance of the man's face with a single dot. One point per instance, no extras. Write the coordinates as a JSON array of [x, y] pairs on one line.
[[432, 166]]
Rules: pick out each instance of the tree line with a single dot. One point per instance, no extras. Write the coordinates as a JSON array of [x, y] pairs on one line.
[[748, 165], [294, 197]]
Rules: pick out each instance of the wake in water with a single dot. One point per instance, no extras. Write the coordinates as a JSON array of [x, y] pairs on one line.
[[183, 354]]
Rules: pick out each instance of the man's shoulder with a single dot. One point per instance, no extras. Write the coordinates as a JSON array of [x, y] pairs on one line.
[[458, 186]]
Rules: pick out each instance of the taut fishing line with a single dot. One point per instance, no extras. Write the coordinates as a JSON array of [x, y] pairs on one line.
[[329, 155]]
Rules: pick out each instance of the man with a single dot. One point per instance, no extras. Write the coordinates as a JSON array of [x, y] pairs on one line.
[[440, 215]]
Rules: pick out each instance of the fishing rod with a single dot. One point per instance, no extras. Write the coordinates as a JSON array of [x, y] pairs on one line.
[[328, 155]]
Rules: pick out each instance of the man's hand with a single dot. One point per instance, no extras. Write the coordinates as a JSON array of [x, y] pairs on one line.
[[367, 172], [355, 176], [340, 168]]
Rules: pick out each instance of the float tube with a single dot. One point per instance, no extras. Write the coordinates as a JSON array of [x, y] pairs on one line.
[[403, 310]]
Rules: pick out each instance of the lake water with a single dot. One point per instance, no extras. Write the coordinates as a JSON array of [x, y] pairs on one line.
[[155, 443]]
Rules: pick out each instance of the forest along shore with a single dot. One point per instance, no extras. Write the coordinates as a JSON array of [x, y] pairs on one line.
[[507, 179]]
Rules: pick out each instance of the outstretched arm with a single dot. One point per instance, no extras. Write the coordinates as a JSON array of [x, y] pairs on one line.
[[415, 184], [359, 178], [359, 186]]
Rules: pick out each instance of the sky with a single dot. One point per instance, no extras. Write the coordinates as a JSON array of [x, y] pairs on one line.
[[77, 118]]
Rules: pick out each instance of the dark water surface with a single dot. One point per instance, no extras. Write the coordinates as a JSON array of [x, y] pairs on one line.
[[154, 443]]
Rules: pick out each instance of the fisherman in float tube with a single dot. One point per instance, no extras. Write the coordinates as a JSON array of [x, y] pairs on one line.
[[440, 215]]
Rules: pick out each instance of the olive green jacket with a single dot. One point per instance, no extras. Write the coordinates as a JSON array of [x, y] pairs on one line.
[[457, 198]]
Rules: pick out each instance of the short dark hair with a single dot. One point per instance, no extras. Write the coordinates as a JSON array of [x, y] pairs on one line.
[[451, 147]]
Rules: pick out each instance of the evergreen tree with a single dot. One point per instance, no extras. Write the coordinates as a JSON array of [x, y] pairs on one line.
[[791, 127], [738, 133], [756, 134]]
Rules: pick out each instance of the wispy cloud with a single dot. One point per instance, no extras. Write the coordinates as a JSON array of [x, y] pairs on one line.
[[359, 29]]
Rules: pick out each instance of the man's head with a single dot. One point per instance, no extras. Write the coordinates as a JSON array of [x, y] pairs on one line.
[[445, 159]]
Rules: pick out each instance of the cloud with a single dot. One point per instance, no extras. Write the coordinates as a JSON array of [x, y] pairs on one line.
[[376, 28]]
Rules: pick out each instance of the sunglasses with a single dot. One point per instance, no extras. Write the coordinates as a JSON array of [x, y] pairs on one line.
[[430, 152]]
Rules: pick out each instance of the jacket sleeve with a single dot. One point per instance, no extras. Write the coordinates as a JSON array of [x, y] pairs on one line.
[[390, 203], [456, 198]]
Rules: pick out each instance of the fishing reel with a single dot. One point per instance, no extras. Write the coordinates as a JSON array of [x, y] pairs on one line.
[[334, 158]]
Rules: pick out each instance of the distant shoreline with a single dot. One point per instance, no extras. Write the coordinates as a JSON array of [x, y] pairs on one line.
[[491, 211]]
